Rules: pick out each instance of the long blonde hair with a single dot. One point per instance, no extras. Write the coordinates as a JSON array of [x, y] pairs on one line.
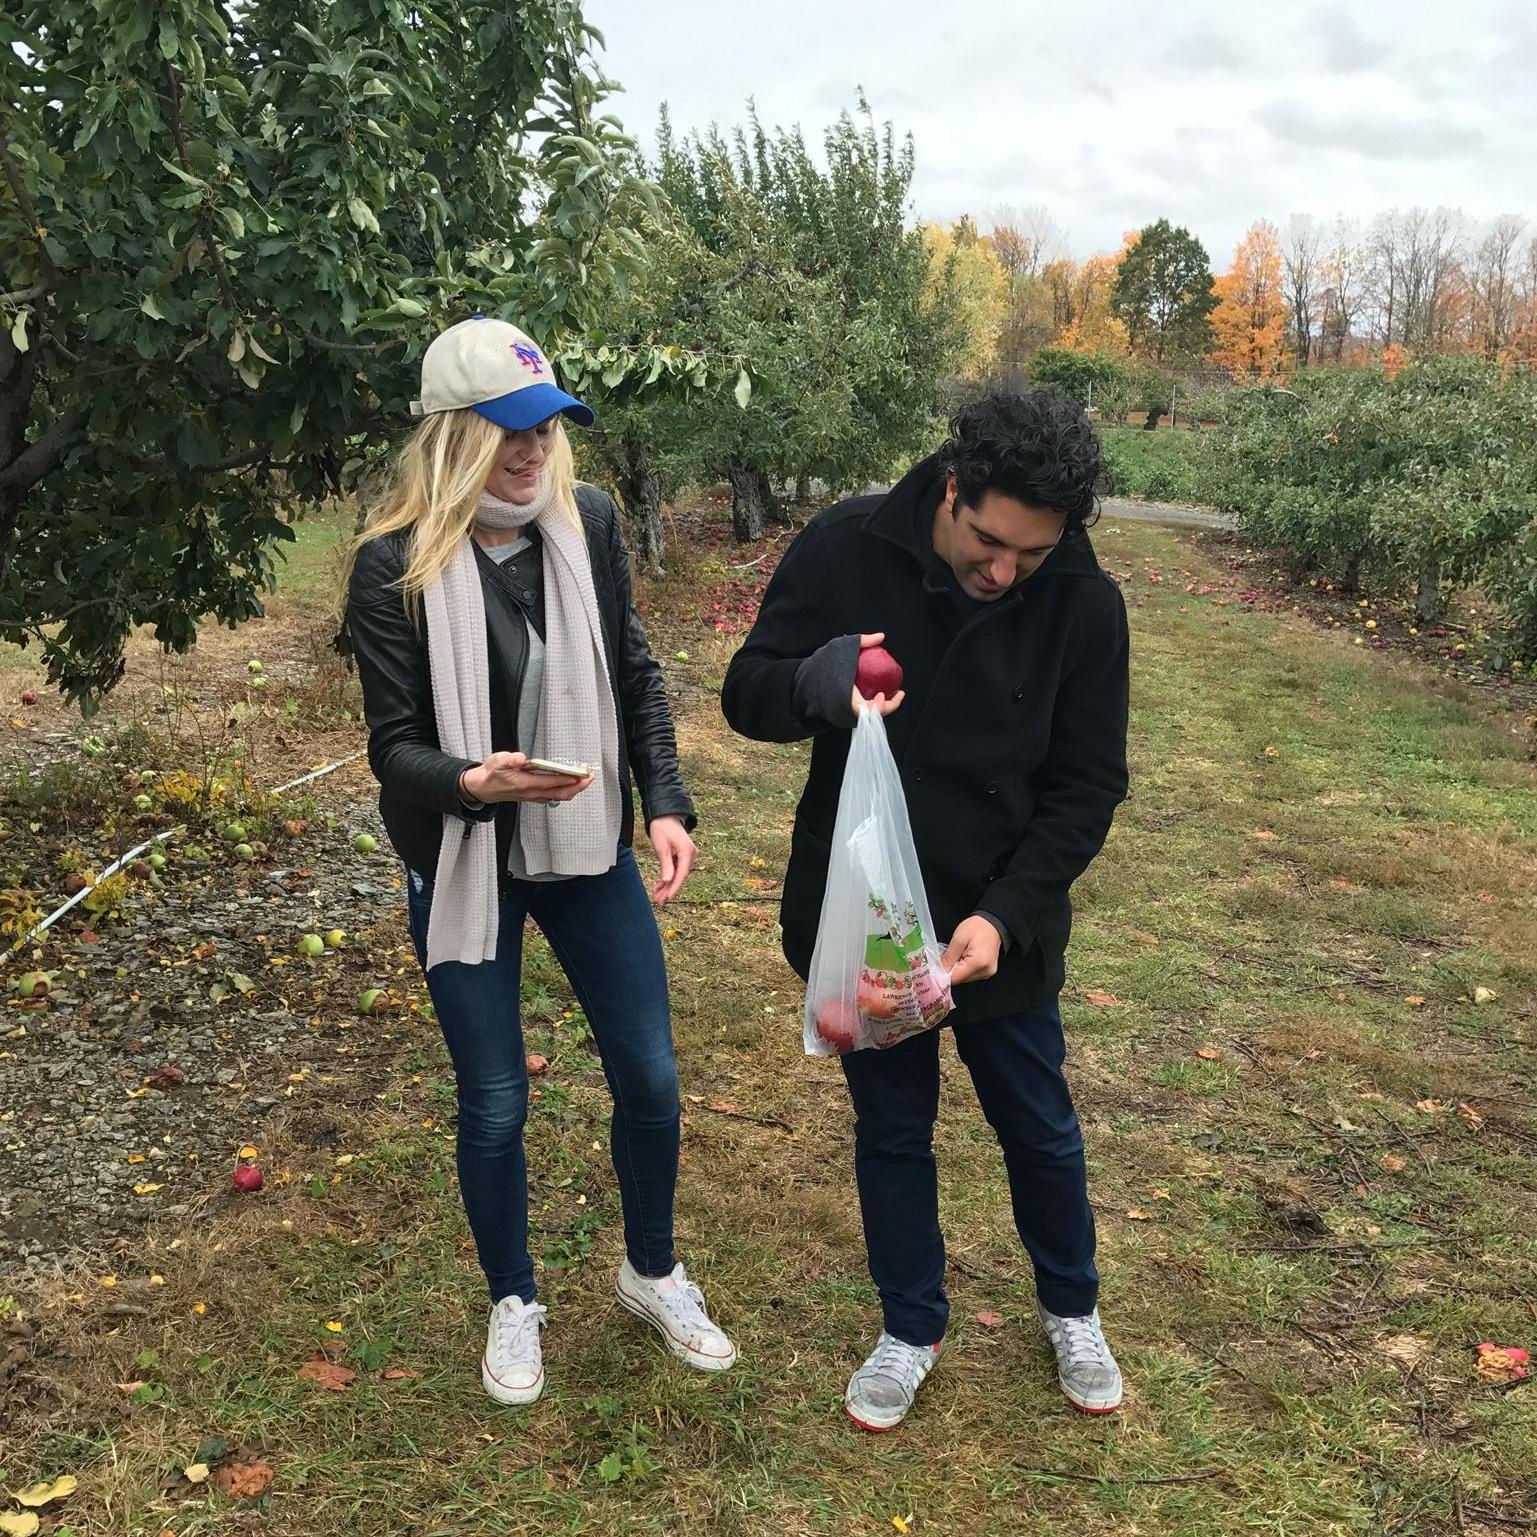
[[433, 487]]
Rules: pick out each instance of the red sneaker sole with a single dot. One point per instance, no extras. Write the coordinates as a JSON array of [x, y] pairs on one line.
[[875, 1430]]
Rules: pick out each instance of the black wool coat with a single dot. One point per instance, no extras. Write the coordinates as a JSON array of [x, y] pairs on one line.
[[1011, 742]]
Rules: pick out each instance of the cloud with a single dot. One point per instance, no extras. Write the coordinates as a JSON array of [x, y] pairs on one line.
[[1202, 51], [1346, 47], [1377, 136]]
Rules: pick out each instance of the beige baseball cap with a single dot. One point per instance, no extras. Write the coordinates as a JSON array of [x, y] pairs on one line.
[[491, 367]]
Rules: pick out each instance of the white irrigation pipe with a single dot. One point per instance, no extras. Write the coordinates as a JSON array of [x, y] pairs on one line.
[[170, 832]]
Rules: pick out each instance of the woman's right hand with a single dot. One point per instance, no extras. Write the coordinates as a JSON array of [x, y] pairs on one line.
[[502, 777]]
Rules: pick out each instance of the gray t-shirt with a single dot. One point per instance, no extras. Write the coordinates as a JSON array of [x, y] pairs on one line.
[[506, 556]]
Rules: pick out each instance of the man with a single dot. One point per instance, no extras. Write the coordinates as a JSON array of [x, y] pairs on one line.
[[1010, 734]]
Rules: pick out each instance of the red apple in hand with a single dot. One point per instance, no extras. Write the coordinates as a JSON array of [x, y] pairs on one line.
[[838, 1024], [879, 672]]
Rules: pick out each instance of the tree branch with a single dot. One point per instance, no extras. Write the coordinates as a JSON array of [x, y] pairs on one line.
[[39, 457], [25, 295], [243, 460], [179, 133], [28, 209]]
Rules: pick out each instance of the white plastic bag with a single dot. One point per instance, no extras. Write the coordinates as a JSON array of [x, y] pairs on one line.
[[875, 975]]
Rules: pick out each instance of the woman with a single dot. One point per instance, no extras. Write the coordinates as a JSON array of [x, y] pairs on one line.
[[490, 614]]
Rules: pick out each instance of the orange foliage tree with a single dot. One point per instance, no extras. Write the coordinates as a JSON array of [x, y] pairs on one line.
[[1249, 322]]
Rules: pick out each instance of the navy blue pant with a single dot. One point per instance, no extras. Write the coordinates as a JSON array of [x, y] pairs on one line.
[[1016, 1065], [604, 935]]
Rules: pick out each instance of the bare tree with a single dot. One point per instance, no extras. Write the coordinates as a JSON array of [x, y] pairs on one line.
[[1343, 272], [1034, 237], [1495, 278], [1300, 258]]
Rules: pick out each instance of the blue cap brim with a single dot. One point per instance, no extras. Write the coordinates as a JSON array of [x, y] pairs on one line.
[[531, 405]]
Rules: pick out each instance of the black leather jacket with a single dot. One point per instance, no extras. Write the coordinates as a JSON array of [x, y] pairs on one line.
[[419, 783]]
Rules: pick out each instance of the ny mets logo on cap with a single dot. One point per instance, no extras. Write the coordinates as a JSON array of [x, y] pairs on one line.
[[491, 367]]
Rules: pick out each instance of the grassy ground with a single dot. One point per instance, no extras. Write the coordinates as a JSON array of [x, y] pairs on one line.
[[1311, 1159], [1162, 466]]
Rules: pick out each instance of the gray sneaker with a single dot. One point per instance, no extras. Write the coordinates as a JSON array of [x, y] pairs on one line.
[[882, 1391], [1085, 1368]]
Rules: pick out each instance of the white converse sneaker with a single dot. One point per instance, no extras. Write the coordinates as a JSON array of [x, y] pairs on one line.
[[674, 1306], [882, 1391], [1085, 1368], [512, 1369]]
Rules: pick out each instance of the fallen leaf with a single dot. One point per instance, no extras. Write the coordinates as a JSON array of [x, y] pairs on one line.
[[128, 1387], [900, 1522], [244, 1480], [1391, 1163], [724, 1107], [1138, 1215], [1483, 995], [1102, 1000], [246, 1152], [1431, 1106], [1208, 1053], [332, 1327], [21, 1523], [398, 1374], [1415, 1001], [344, 1160], [195, 1473], [1264, 834], [38, 1495], [326, 1374], [537, 1064], [1161, 1194], [145, 1189], [989, 1320], [1471, 1116]]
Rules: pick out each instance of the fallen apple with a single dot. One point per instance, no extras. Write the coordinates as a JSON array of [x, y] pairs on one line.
[[33, 985], [253, 666], [368, 1000], [28, 696], [157, 860], [878, 672], [74, 883], [312, 944], [335, 938], [365, 843], [247, 1177], [838, 1024], [256, 682], [680, 656], [295, 828], [234, 832], [143, 803], [244, 851]]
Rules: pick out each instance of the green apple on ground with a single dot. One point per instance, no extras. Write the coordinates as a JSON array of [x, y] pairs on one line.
[[235, 832], [253, 666], [33, 985], [368, 1000], [258, 682], [244, 851], [157, 860], [335, 938], [365, 843], [143, 803], [312, 944]]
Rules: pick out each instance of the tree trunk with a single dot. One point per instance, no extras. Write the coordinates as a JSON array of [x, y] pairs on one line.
[[1427, 603], [802, 489], [1351, 581], [17, 374], [752, 501], [640, 491]]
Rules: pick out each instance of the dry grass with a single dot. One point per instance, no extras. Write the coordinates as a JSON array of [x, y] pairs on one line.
[[1297, 1258]]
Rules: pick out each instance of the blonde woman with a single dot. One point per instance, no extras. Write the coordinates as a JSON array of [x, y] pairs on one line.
[[490, 615]]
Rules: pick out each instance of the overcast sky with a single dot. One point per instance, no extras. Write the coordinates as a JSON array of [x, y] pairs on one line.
[[1114, 112]]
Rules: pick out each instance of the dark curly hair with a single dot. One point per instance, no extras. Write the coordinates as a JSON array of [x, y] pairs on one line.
[[1031, 444]]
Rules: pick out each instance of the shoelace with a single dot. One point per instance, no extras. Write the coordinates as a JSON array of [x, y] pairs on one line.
[[515, 1339], [685, 1302], [1085, 1341], [898, 1360]]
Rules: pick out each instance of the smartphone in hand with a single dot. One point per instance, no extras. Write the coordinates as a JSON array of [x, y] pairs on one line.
[[558, 770]]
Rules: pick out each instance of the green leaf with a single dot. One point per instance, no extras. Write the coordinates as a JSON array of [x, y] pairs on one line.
[[743, 390], [232, 218], [613, 1468], [150, 308], [362, 215], [19, 330], [215, 1447], [241, 982]]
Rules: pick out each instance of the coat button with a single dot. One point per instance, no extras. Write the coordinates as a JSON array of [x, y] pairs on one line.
[[1019, 693], [917, 776], [992, 788], [528, 594]]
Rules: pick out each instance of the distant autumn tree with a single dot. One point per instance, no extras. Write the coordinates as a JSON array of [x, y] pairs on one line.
[[1249, 321], [1163, 294]]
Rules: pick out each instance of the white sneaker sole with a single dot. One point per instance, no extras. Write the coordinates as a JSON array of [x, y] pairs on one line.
[[679, 1347], [1098, 1405], [876, 1424], [512, 1397]]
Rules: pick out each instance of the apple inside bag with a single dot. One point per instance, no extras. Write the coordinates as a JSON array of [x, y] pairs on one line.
[[875, 975]]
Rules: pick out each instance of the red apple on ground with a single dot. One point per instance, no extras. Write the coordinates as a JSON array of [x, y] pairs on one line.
[[247, 1177], [28, 696], [879, 672], [838, 1024]]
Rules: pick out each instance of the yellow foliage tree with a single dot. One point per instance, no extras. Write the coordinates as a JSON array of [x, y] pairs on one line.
[[1087, 324], [1249, 322], [981, 286]]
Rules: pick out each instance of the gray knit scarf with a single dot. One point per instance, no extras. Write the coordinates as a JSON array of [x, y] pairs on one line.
[[577, 724]]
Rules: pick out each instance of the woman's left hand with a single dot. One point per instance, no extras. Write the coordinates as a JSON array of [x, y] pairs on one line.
[[675, 854]]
